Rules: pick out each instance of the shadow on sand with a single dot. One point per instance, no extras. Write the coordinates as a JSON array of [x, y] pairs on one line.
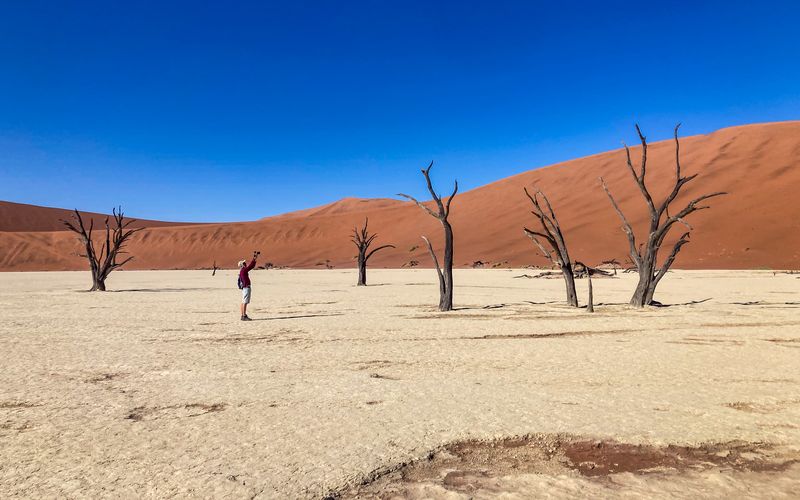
[[299, 316], [156, 290]]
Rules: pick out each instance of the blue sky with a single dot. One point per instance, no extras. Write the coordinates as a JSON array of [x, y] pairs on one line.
[[195, 112]]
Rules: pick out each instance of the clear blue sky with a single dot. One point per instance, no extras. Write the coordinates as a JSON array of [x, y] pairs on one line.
[[184, 111]]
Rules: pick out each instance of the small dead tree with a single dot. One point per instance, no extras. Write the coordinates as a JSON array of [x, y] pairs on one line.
[[614, 263], [362, 240], [214, 269], [645, 254], [101, 264], [443, 212], [556, 248]]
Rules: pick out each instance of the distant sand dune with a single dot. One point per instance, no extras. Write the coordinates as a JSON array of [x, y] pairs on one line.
[[753, 227]]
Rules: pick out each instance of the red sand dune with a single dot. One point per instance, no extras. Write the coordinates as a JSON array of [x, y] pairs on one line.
[[755, 226]]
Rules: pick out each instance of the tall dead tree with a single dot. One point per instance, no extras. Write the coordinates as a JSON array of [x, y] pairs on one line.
[[645, 254], [362, 240], [556, 248], [101, 264], [443, 212]]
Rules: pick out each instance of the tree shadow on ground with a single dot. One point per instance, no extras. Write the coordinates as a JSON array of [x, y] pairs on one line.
[[690, 303], [157, 290], [505, 304], [765, 303], [298, 316]]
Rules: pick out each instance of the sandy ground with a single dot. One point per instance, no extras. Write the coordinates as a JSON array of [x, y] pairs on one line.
[[158, 390]]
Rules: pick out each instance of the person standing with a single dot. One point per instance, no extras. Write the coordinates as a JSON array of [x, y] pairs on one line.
[[244, 283]]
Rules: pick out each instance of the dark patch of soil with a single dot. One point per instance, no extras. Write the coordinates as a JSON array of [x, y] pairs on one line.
[[18, 404], [103, 377], [469, 466], [173, 411]]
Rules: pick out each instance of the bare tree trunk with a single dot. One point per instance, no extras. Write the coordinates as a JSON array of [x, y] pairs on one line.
[[362, 270], [446, 300], [569, 282], [645, 255], [214, 271], [98, 284], [590, 304], [103, 263], [362, 240], [442, 214], [643, 295]]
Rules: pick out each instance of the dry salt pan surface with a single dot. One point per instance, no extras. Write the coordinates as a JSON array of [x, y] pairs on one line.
[[156, 389]]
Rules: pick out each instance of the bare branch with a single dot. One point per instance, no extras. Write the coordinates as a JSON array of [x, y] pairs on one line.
[[450, 199], [433, 256], [419, 204], [534, 237], [379, 248], [626, 226], [684, 239]]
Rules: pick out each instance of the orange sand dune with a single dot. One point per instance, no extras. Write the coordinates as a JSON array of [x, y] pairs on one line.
[[345, 206], [755, 226]]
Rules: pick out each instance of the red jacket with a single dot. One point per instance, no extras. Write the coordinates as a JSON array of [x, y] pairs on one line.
[[244, 275]]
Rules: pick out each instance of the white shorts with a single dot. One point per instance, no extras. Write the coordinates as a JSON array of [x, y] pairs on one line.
[[246, 295]]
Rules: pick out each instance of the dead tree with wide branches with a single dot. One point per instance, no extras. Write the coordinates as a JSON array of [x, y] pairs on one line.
[[550, 241], [103, 263], [645, 254], [362, 240], [442, 213]]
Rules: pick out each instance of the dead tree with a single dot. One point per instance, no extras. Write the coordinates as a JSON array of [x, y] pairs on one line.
[[362, 240], [645, 254], [443, 212], [556, 248], [614, 263], [214, 269], [101, 264]]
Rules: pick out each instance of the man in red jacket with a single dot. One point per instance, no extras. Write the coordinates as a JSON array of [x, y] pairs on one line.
[[244, 283]]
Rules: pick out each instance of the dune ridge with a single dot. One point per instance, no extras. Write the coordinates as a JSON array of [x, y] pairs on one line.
[[22, 217], [751, 228]]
